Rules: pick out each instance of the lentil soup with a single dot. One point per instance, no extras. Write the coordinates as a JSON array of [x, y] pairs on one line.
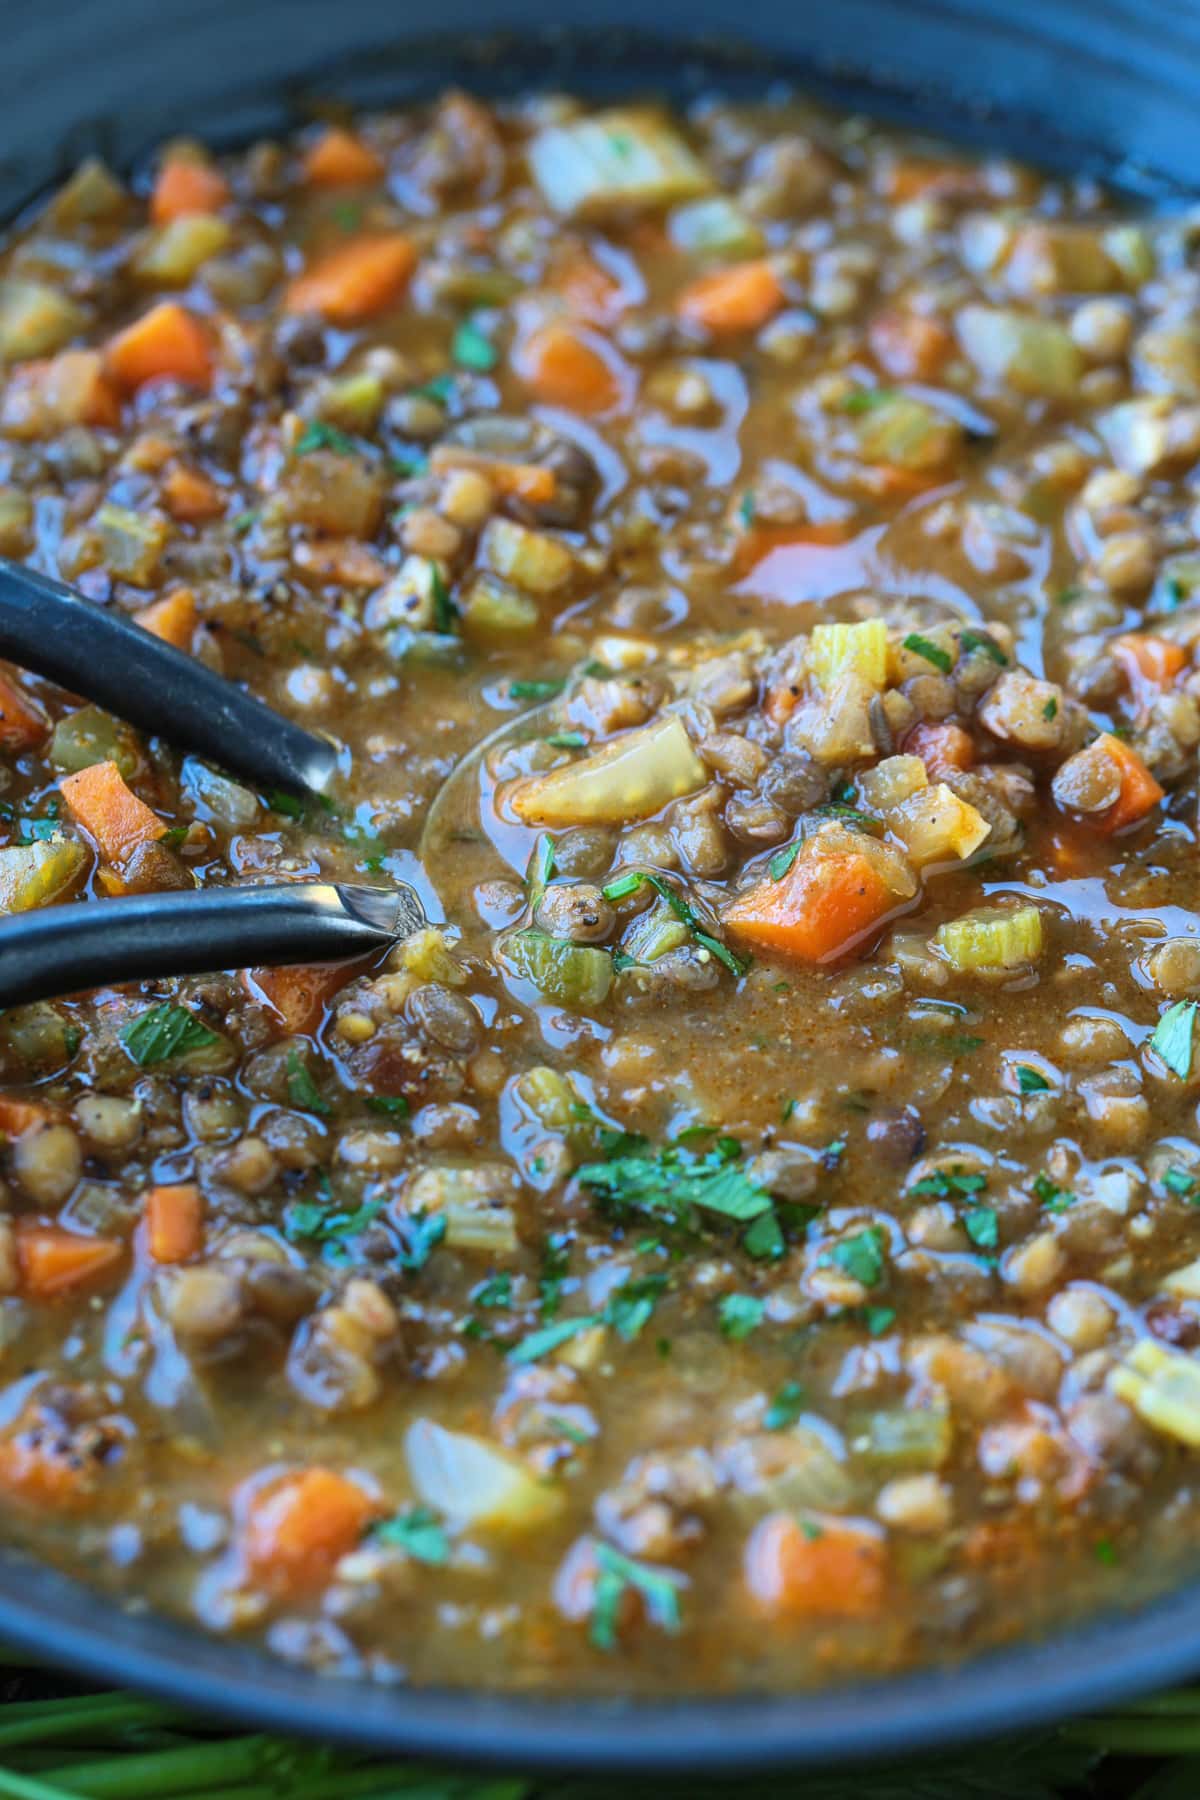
[[750, 1238]]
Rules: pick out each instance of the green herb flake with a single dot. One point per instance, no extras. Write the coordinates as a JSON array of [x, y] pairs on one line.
[[658, 1588], [1050, 710], [495, 1292], [163, 1033], [549, 1338], [418, 1532], [629, 1310], [567, 740], [878, 1319], [931, 652], [1055, 1199], [1180, 1183], [787, 1404], [868, 399], [863, 1256], [439, 389], [944, 1184], [473, 349], [1031, 1080], [1105, 1553], [445, 613], [535, 690], [317, 435], [347, 215], [982, 1227], [629, 883], [302, 1090], [811, 1530], [782, 860], [290, 806], [390, 1106], [982, 640], [764, 1239], [244, 522], [318, 1223], [1172, 1039], [422, 1234], [739, 1315], [746, 509]]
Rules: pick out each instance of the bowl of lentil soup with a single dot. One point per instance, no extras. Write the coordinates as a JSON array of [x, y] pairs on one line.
[[747, 1245]]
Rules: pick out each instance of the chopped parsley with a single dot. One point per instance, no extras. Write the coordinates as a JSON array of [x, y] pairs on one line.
[[629, 884], [746, 509], [302, 1090], [739, 1315], [473, 349], [944, 1184], [567, 740], [783, 859], [164, 1032], [317, 435], [1055, 1199], [551, 1337], [496, 1292], [658, 1588], [290, 805], [868, 399], [439, 389], [1172, 1039], [877, 1319], [863, 1257], [630, 1308], [315, 1222], [541, 868], [1180, 1183], [391, 1106], [535, 690], [1105, 1552], [982, 640], [932, 653], [445, 613], [418, 1532], [675, 1184], [982, 1227], [787, 1403], [1030, 1080], [421, 1234], [1050, 710]]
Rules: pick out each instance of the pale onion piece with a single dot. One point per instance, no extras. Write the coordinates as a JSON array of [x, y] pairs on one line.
[[631, 778], [1137, 433], [891, 782], [1163, 1388], [33, 875], [835, 727], [992, 938], [481, 1225], [35, 319], [862, 649], [473, 1481], [934, 825], [613, 160], [1183, 1284], [529, 559], [173, 253], [714, 227], [1033, 355]]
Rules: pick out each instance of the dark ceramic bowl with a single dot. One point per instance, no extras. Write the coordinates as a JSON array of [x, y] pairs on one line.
[[1107, 86]]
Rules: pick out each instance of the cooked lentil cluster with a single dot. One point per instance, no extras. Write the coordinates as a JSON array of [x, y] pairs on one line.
[[750, 1237]]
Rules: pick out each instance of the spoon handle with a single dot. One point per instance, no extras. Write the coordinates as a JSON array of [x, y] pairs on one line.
[[47, 627], [65, 949]]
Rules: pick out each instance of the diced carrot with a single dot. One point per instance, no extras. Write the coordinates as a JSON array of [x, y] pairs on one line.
[[531, 482], [111, 814], [831, 1569], [173, 618], [355, 281], [343, 560], [167, 343], [569, 366], [52, 1260], [908, 345], [187, 185], [820, 909], [764, 540], [298, 1528], [174, 1222], [191, 497], [942, 748], [915, 177], [339, 159], [149, 453], [727, 301], [590, 291], [298, 995], [1150, 663], [40, 1467], [1139, 790], [22, 721], [18, 1115]]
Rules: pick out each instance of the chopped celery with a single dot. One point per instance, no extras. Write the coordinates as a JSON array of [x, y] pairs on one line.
[[476, 1222], [131, 544], [654, 933], [1129, 246], [173, 253], [566, 973], [428, 956], [1163, 1388], [92, 193], [891, 781], [862, 649], [631, 778], [904, 1437], [934, 826], [473, 1481], [37, 1036], [992, 938], [907, 433], [715, 227], [492, 609], [613, 160], [217, 795], [792, 1470], [529, 559], [354, 402], [550, 1097], [1035, 356], [92, 736], [35, 319], [33, 875]]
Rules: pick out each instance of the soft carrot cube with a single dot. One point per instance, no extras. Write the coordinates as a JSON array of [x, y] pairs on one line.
[[173, 618], [174, 1222], [166, 343], [186, 185], [297, 995], [355, 281], [191, 497], [567, 366], [111, 814], [52, 1260], [826, 1568], [298, 1528], [339, 159], [728, 301], [821, 908], [23, 724]]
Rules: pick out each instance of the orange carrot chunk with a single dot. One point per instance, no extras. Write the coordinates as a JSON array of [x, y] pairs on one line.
[[187, 185], [167, 343], [1139, 790], [564, 365], [355, 281], [297, 1529], [174, 1222], [531, 482], [111, 814], [339, 159], [191, 497], [173, 618], [298, 995], [940, 748], [18, 1115], [828, 1569], [819, 909], [22, 721], [41, 1468], [52, 1260], [731, 300], [1150, 663], [909, 346]]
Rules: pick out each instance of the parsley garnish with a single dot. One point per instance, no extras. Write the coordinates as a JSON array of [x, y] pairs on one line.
[[471, 349], [550, 1337], [982, 1227], [440, 389], [862, 1256], [787, 1404], [630, 1307], [782, 860], [746, 509], [418, 1532], [302, 1089], [1180, 1183], [445, 613], [943, 1184], [658, 1588], [535, 690], [867, 399], [496, 1292], [878, 1319], [288, 804], [164, 1032], [740, 1314], [1172, 1039], [392, 1106], [676, 1184], [982, 640], [317, 435], [1050, 710], [567, 740], [628, 884], [322, 1224], [1030, 1080], [1055, 1199], [422, 1235], [932, 653]]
